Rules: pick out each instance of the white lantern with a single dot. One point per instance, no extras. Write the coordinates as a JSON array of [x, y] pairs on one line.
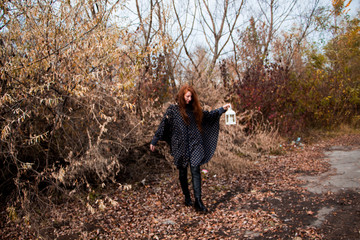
[[230, 117]]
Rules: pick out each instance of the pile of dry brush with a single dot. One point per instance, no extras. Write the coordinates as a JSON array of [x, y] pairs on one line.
[[97, 141]]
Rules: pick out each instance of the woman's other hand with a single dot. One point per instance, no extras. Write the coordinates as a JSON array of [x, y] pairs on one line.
[[152, 147], [226, 106]]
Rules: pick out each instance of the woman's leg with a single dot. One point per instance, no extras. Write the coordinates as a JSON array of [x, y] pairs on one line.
[[184, 185], [196, 180]]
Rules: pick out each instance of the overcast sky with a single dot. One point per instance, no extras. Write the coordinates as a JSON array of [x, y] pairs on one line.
[[251, 9], [354, 7]]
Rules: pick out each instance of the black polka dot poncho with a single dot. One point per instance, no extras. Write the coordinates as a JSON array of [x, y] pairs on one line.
[[187, 143]]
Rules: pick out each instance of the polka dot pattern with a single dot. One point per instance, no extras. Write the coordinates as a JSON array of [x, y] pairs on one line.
[[187, 143]]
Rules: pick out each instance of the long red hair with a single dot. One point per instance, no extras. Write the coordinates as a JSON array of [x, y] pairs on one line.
[[195, 103]]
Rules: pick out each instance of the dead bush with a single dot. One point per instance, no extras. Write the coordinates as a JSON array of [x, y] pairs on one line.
[[237, 148]]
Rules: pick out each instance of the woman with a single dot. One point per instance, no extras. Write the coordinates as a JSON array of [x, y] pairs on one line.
[[192, 135]]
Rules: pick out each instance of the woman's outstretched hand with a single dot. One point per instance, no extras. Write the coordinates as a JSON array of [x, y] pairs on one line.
[[152, 147], [226, 106]]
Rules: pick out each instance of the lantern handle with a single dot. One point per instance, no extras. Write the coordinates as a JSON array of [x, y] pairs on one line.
[[228, 107]]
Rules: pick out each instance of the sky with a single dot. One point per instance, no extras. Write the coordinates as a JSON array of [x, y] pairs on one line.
[[354, 7], [251, 8]]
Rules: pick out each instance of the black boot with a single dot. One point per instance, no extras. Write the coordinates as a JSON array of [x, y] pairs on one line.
[[196, 180], [199, 206], [184, 185]]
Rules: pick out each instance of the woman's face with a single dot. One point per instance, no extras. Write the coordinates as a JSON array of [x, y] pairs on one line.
[[187, 97]]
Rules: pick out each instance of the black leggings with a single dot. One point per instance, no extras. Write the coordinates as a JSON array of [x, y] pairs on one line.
[[196, 180]]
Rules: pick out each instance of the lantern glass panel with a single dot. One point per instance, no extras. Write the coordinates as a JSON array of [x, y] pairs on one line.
[[230, 117]]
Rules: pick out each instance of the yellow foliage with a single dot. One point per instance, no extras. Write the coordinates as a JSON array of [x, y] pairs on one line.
[[340, 6], [12, 213]]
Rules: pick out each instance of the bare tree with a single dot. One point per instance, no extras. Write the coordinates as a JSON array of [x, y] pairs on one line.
[[188, 19], [272, 22], [277, 15], [218, 24], [306, 23], [274, 13], [156, 45], [217, 21]]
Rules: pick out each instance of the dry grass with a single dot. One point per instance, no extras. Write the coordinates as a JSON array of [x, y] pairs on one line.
[[316, 135], [237, 149]]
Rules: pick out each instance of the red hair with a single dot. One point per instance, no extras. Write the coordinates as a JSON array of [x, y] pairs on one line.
[[195, 103]]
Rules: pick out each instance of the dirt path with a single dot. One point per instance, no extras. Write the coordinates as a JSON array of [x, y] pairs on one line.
[[309, 193]]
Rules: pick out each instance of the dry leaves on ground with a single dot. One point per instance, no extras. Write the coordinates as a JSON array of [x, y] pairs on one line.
[[267, 202]]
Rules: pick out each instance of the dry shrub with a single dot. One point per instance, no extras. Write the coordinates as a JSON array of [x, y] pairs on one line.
[[117, 146], [237, 149], [92, 165]]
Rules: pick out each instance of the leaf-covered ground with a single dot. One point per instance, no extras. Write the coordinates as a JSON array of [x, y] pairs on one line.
[[268, 202]]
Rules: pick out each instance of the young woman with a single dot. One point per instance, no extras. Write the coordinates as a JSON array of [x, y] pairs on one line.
[[192, 135]]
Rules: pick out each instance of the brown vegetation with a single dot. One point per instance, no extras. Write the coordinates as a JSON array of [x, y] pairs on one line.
[[82, 93]]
